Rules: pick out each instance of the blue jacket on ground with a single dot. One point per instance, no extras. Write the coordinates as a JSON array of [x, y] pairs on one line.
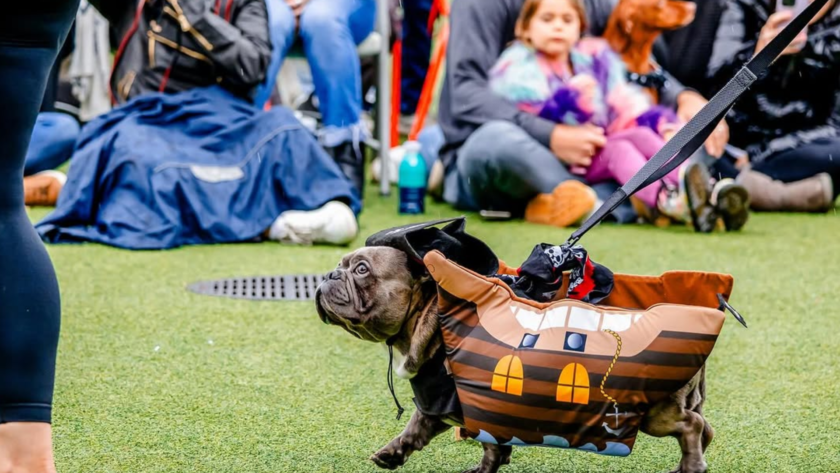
[[196, 167]]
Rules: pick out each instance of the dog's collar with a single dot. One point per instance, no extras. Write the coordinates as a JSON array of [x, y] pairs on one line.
[[653, 80]]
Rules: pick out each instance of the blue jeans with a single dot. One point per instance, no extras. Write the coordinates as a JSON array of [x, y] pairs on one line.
[[52, 142], [330, 30], [501, 167]]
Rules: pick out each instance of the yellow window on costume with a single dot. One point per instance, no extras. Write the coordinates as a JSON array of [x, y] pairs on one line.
[[573, 385], [507, 377]]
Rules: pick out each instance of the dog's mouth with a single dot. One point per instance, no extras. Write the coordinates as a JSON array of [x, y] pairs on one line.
[[359, 328]]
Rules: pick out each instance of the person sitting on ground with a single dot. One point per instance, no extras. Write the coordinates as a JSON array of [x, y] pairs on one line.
[[187, 159], [496, 156], [330, 30], [551, 72], [788, 121]]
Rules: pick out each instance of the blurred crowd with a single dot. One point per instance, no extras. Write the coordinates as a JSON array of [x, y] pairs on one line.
[[209, 121]]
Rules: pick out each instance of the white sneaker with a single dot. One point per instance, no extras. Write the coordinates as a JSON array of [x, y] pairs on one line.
[[333, 224]]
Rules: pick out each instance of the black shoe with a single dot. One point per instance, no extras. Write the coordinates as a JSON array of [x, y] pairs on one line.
[[351, 160], [732, 202], [698, 189]]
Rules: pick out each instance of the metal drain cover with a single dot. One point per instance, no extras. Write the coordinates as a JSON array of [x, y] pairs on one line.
[[294, 287]]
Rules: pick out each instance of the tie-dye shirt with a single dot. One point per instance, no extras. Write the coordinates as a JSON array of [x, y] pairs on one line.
[[596, 91]]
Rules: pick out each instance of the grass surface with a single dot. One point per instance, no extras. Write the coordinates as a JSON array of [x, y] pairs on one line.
[[152, 378]]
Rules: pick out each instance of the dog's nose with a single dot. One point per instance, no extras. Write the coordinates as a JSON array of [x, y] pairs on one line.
[[334, 275]]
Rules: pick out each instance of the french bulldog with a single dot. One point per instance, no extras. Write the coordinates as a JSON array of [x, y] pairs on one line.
[[376, 296]]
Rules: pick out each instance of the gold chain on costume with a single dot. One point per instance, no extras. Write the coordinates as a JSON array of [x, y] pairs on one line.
[[614, 360]]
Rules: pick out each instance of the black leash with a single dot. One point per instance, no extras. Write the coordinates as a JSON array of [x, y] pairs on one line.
[[697, 130]]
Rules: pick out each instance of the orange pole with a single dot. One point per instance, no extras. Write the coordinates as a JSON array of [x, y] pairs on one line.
[[428, 92]]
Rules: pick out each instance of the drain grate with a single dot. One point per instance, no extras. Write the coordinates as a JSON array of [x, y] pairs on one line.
[[294, 287]]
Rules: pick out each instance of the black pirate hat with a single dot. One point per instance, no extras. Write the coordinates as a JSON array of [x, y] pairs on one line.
[[419, 238]]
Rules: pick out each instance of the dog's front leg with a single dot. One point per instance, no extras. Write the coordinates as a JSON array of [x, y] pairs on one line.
[[419, 432], [494, 457]]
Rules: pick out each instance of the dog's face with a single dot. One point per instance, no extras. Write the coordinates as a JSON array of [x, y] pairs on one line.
[[661, 15], [369, 294]]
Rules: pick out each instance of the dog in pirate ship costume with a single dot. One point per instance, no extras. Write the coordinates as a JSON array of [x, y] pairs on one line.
[[559, 352], [489, 348]]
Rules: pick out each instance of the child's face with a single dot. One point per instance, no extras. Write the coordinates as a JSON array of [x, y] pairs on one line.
[[555, 28]]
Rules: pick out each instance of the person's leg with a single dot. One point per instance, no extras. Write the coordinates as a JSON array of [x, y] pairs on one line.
[[821, 156], [331, 29], [501, 167], [805, 179], [52, 142], [281, 25], [30, 35], [431, 140], [620, 160], [417, 49]]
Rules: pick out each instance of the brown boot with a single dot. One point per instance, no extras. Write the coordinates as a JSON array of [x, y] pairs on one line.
[[567, 205], [814, 194], [42, 189]]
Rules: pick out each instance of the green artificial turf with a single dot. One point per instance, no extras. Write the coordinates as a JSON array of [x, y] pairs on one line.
[[152, 378]]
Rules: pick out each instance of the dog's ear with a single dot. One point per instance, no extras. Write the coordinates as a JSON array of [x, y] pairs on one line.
[[619, 26], [425, 340]]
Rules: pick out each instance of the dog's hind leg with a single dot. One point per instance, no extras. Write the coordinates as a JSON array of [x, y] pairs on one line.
[[494, 457], [419, 432], [681, 416]]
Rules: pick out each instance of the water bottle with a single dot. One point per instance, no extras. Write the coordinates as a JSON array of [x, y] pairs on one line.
[[412, 180]]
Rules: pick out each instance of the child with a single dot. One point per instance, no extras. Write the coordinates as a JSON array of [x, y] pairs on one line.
[[551, 72]]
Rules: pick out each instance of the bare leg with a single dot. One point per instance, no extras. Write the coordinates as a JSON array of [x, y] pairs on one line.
[[26, 447]]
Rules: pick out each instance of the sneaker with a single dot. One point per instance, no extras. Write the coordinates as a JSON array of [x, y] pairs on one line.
[[42, 189], [333, 224], [732, 202], [673, 202], [698, 190], [568, 204]]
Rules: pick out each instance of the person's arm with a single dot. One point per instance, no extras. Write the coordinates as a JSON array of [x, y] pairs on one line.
[[241, 50], [474, 46]]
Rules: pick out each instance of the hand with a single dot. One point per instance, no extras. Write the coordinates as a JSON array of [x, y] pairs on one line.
[[576, 145], [689, 104], [775, 24]]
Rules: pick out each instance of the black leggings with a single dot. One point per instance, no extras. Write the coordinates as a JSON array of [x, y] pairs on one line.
[[31, 33], [822, 155]]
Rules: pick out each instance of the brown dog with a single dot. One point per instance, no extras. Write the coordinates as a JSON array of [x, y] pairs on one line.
[[634, 25], [375, 296]]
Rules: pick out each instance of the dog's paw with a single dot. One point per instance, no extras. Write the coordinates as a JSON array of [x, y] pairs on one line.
[[389, 458]]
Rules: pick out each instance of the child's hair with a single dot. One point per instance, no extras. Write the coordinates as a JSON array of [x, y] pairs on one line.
[[529, 9]]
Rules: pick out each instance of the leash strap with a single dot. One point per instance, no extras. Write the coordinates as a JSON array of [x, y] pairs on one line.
[[698, 129]]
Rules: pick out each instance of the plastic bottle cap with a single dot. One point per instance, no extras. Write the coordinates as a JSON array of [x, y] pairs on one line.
[[411, 147]]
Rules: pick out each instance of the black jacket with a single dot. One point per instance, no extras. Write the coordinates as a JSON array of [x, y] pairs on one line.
[[176, 45], [797, 99]]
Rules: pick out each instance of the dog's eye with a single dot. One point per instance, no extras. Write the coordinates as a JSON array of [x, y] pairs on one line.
[[362, 269]]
